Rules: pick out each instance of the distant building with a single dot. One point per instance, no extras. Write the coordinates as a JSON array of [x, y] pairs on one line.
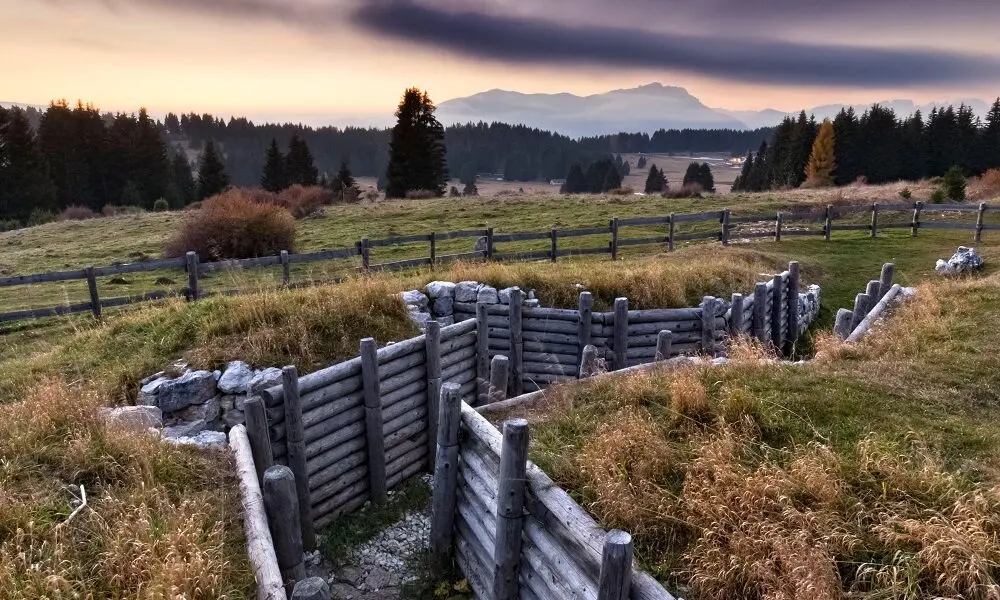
[[559, 182], [736, 161]]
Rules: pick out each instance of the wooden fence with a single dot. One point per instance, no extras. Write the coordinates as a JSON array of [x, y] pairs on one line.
[[677, 228]]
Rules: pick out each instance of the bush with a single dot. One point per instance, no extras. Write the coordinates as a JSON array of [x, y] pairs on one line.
[[76, 213], [623, 191], [161, 205], [953, 184], [938, 196], [9, 224], [986, 186], [372, 195], [114, 210], [691, 190], [906, 194], [302, 201], [420, 194], [233, 225], [40, 216], [454, 193]]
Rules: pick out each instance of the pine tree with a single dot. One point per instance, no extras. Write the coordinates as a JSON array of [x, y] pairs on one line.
[[343, 184], [847, 151], [913, 163], [274, 178], [212, 177], [182, 189], [953, 183], [24, 174], [745, 178], [656, 182], [576, 180], [642, 163], [417, 154], [131, 196], [705, 178], [759, 173], [299, 167], [989, 144], [822, 159], [470, 188], [693, 175]]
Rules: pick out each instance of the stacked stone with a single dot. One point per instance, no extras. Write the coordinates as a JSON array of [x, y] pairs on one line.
[[442, 301]]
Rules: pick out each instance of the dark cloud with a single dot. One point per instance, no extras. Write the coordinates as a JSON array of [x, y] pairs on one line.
[[535, 41]]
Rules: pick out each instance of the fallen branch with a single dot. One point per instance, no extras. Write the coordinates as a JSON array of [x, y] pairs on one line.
[[78, 509]]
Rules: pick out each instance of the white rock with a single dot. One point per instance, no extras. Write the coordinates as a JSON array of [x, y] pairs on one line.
[[443, 306], [135, 418], [440, 289], [204, 440], [720, 361], [467, 291], [236, 378], [207, 412], [415, 298], [963, 261], [488, 295], [264, 379], [172, 395], [505, 294], [185, 429]]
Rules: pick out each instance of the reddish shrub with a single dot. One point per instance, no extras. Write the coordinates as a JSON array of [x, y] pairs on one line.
[[232, 225], [76, 213], [304, 201]]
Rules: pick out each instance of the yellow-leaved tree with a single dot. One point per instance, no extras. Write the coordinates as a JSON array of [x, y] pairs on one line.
[[822, 160]]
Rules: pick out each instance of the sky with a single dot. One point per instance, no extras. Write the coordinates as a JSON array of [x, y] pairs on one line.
[[350, 60]]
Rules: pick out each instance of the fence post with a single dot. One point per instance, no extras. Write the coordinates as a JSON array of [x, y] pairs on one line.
[[759, 312], [286, 270], [708, 309], [516, 343], [590, 362], [446, 471], [499, 373], [777, 301], [860, 302], [670, 234], [296, 443], [874, 293], [874, 219], [777, 228], [915, 225], [736, 316], [663, 350], [433, 240], [490, 250], [979, 222], [620, 334], [828, 226], [95, 299], [192, 270], [282, 508], [583, 330], [725, 227], [260, 442], [365, 255], [614, 238], [432, 345], [885, 280], [313, 588], [373, 421], [616, 567], [843, 325], [792, 300], [482, 351], [555, 244], [510, 509]]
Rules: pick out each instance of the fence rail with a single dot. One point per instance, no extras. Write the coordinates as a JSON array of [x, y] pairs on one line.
[[486, 248]]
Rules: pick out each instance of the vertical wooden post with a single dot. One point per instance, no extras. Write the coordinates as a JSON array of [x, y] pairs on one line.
[[583, 330], [490, 249], [670, 234], [620, 334], [554, 234], [192, 271], [432, 238], [286, 269], [777, 301], [260, 441], [885, 280], [725, 227], [760, 312], [616, 567], [874, 293], [736, 316], [979, 222], [777, 228], [510, 509], [859, 314], [432, 345], [792, 301], [663, 350], [874, 219], [95, 299], [516, 343], [499, 373], [482, 351], [915, 225], [296, 443], [708, 310], [446, 471], [282, 508], [590, 364], [614, 238], [828, 226], [313, 588], [843, 324], [365, 255], [373, 421]]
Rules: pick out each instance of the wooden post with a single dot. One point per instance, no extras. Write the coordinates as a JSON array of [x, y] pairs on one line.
[[979, 223], [915, 225], [586, 305], [616, 567], [590, 364], [446, 471], [260, 442], [725, 227], [759, 312], [614, 238], [313, 588], [373, 421], [859, 314], [192, 270], [433, 240], [490, 250], [286, 268], [777, 228], [663, 349], [510, 509], [499, 373], [885, 280], [283, 521], [482, 352], [874, 219], [516, 343], [708, 310], [736, 316], [843, 325], [95, 299], [777, 301], [296, 444], [792, 301], [620, 334], [670, 234], [432, 345], [366, 257], [828, 226], [554, 234]]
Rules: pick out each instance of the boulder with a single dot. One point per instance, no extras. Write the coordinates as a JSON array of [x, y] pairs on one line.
[[172, 395], [236, 378], [965, 260], [185, 429], [420, 318], [482, 245], [505, 293], [135, 418], [415, 298], [207, 412], [440, 289], [446, 321], [203, 440], [467, 291], [233, 417], [264, 379], [444, 306], [488, 295]]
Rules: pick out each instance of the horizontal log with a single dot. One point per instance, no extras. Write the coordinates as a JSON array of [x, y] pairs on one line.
[[334, 455], [565, 233], [643, 221], [419, 465], [650, 340], [554, 314], [895, 225], [940, 225], [38, 313], [405, 406], [676, 327], [549, 326], [396, 382], [753, 219], [547, 368], [848, 228], [676, 348], [547, 357], [458, 355], [519, 237], [453, 371], [338, 469], [512, 256], [756, 234], [315, 381], [413, 389], [407, 419], [397, 240], [43, 277], [686, 237], [583, 251], [405, 433], [322, 255], [491, 309], [643, 241], [126, 300], [404, 363], [337, 433], [336, 486], [346, 508], [467, 233], [802, 232], [705, 216], [658, 315], [314, 420], [952, 207], [456, 330], [338, 504], [239, 264], [546, 379], [503, 346], [458, 343], [405, 447], [400, 465], [140, 267], [473, 559], [399, 265], [554, 338]]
